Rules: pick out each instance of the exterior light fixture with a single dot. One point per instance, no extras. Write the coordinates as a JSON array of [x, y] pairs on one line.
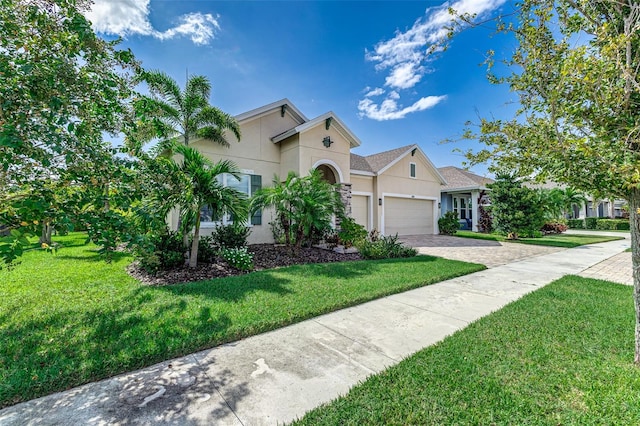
[[327, 141], [379, 201]]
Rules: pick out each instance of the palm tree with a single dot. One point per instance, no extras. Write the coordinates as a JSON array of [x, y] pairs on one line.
[[174, 115], [304, 205], [573, 198], [201, 188]]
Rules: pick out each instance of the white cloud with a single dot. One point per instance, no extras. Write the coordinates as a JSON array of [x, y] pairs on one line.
[[375, 92], [405, 76], [127, 17], [389, 109], [404, 57]]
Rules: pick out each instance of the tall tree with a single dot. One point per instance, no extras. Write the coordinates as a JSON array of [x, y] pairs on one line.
[[516, 210], [179, 115], [202, 187], [576, 70], [61, 87]]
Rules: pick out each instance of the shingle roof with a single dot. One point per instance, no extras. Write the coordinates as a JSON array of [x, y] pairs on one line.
[[358, 162], [458, 179], [376, 162]]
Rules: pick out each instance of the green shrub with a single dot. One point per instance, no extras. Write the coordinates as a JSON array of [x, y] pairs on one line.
[[164, 250], [613, 224], [590, 222], [449, 224], [351, 232], [230, 236], [238, 258], [387, 247], [207, 249], [575, 223]]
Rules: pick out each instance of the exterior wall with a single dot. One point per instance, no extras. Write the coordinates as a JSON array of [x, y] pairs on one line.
[[396, 181], [312, 151], [255, 154], [361, 183]]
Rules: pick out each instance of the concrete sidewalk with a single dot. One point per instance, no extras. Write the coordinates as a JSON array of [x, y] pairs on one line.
[[277, 376]]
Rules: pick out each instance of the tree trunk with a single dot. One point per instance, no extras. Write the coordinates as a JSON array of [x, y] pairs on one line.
[[634, 205], [45, 235], [193, 256]]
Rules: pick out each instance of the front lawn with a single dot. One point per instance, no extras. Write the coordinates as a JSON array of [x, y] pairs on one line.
[[71, 318], [562, 355], [558, 240]]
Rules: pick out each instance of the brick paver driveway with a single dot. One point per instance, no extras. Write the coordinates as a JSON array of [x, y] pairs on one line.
[[489, 253]]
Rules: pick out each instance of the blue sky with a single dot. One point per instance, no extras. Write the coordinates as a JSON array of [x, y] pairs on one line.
[[364, 60]]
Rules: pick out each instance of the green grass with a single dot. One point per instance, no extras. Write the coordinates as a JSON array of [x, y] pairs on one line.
[[562, 355], [559, 240], [71, 318]]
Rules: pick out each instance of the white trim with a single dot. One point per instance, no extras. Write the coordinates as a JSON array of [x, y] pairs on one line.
[[415, 197], [465, 189], [361, 173], [260, 111], [435, 170], [332, 164], [369, 206], [339, 126]]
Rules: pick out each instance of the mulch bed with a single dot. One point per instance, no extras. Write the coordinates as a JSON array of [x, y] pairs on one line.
[[265, 256]]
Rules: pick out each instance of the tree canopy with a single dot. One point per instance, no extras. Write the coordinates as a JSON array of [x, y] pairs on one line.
[[62, 87], [576, 72]]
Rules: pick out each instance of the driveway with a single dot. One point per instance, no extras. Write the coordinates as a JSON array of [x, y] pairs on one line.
[[489, 253], [493, 253]]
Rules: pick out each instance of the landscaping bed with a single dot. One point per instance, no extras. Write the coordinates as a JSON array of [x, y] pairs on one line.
[[265, 256]]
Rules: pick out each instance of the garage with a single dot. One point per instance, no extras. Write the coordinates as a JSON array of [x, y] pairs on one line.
[[408, 216], [360, 210]]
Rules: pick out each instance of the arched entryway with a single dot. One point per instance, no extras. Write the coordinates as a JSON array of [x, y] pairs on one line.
[[332, 174], [327, 173]]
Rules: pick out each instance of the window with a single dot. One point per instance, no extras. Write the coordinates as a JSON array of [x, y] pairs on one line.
[[462, 207], [412, 170], [247, 184]]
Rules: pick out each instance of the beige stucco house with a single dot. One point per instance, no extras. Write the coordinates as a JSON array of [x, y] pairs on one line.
[[396, 191]]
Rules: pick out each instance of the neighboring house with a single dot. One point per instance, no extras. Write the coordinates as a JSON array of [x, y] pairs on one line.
[[594, 207], [394, 192], [461, 195]]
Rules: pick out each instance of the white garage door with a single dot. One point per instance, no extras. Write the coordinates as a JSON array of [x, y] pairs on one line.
[[408, 216], [360, 209]]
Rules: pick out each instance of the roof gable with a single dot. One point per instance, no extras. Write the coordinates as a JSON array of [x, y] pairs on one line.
[[326, 119], [284, 105], [383, 161]]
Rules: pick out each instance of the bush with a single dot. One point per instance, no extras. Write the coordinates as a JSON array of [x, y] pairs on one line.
[[590, 222], [575, 223], [230, 236], [207, 249], [613, 224], [388, 247], [161, 251], [238, 258], [449, 224], [553, 228], [351, 232]]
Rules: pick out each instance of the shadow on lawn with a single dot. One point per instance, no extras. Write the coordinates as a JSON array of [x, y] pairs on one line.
[[65, 349]]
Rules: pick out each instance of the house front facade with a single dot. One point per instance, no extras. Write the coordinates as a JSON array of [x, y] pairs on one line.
[[463, 194], [394, 192]]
